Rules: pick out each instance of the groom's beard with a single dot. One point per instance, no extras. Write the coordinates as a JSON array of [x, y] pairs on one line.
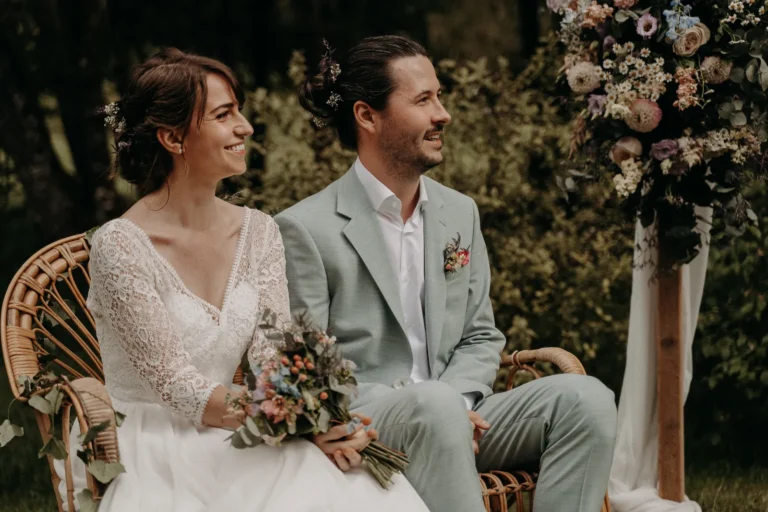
[[407, 156]]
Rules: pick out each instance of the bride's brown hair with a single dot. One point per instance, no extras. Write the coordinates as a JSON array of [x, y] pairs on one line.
[[163, 93]]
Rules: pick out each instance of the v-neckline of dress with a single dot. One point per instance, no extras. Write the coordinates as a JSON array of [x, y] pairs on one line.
[[232, 273]]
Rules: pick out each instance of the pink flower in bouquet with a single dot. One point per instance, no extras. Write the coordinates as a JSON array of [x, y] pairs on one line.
[[647, 25], [557, 5], [664, 149], [595, 14], [596, 104], [275, 409], [686, 89], [715, 70], [691, 40], [626, 148], [644, 116], [608, 43], [583, 77], [624, 4]]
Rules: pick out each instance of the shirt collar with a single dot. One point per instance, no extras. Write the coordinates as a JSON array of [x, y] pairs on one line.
[[381, 197]]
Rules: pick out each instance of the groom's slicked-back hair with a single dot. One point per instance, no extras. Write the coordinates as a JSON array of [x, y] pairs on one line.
[[363, 74]]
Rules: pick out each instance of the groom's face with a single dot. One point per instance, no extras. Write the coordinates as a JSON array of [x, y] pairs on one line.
[[412, 125]]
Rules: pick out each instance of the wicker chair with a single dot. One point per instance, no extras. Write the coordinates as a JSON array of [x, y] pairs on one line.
[[46, 300]]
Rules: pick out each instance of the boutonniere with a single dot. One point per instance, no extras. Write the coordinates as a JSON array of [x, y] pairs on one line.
[[455, 256]]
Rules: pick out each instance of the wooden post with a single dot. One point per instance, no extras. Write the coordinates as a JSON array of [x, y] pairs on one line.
[[669, 382]]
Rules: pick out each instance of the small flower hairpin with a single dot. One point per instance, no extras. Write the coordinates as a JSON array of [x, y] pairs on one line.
[[335, 72], [455, 256], [334, 100], [335, 69], [113, 119]]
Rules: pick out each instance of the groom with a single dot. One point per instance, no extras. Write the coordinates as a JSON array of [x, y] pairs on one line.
[[395, 265]]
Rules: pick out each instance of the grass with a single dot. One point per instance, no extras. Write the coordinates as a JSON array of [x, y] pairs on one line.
[[727, 490]]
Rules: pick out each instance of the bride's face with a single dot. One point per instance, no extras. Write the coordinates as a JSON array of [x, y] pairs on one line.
[[215, 145]]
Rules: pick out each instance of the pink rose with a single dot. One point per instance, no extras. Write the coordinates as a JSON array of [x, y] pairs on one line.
[[626, 148]]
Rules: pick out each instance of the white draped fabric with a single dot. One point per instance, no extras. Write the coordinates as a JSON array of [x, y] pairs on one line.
[[633, 480]]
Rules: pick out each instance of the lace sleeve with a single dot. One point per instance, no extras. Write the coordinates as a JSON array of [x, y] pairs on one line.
[[273, 290], [123, 296]]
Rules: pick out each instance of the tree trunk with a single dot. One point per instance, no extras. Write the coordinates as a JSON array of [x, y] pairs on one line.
[[24, 137], [77, 35]]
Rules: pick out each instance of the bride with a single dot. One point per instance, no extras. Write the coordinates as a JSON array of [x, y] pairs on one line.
[[177, 286]]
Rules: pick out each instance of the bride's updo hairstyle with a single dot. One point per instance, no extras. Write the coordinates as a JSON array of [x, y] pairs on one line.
[[164, 92], [363, 74]]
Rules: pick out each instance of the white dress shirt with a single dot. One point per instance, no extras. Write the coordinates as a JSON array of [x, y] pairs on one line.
[[405, 247]]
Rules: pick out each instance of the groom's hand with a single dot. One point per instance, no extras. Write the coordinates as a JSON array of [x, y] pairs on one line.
[[479, 426]]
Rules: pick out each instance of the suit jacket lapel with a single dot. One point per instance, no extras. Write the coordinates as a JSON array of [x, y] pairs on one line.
[[434, 273], [364, 233]]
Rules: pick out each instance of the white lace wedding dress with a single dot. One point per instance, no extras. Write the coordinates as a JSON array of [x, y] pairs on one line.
[[164, 351]]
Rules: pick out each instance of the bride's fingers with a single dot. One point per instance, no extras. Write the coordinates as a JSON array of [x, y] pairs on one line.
[[353, 456], [373, 434], [341, 460], [356, 441]]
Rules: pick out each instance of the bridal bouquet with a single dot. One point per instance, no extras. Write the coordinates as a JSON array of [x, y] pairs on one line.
[[671, 102], [303, 389]]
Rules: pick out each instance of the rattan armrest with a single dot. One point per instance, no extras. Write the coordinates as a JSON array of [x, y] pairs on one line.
[[567, 362], [93, 405], [524, 360]]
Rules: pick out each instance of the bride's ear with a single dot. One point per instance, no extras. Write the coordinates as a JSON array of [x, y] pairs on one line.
[[170, 140]]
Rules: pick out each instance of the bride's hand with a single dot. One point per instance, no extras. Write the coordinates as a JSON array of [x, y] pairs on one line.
[[344, 448]]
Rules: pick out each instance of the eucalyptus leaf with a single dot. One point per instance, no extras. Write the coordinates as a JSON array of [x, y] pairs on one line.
[[725, 110], [763, 75], [751, 71], [570, 184], [89, 234], [751, 215], [55, 397], [119, 418], [94, 431], [309, 400], [85, 455], [105, 472], [58, 309], [55, 448], [41, 404], [237, 441], [343, 389], [8, 431], [86, 501], [252, 427], [324, 420], [621, 16], [244, 436], [737, 75], [292, 428], [738, 119]]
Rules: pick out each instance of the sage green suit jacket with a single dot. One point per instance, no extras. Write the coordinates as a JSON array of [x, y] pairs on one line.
[[339, 274]]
